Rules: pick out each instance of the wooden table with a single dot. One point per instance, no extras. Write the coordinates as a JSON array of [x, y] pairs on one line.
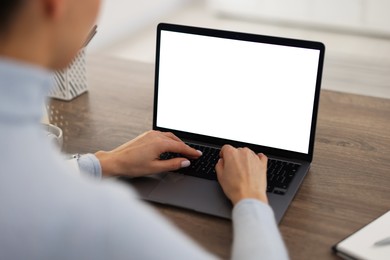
[[347, 186]]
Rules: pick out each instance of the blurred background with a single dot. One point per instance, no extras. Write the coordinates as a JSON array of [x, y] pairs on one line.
[[356, 32]]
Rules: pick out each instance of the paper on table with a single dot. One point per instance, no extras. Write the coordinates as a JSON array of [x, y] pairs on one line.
[[360, 245]]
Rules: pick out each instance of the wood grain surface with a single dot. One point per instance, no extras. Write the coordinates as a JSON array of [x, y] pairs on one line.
[[348, 184]]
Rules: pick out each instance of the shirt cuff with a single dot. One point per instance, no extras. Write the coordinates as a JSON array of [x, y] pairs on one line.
[[250, 207], [89, 164]]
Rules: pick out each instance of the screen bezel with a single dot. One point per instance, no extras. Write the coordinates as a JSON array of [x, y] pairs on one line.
[[251, 38]]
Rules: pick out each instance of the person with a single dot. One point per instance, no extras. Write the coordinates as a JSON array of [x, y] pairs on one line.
[[50, 211]]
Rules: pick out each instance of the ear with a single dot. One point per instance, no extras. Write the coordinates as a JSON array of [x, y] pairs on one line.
[[54, 9]]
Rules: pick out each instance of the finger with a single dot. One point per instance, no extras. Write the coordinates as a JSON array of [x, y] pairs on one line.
[[180, 147], [262, 157], [219, 166], [171, 164], [188, 153], [171, 136], [247, 151], [226, 148]]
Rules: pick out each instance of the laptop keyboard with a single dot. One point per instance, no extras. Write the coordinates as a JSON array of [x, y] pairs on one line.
[[279, 173], [204, 167]]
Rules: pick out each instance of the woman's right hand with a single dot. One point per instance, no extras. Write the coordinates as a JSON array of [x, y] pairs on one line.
[[242, 174]]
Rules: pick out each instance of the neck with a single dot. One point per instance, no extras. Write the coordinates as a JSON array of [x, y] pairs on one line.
[[25, 49], [26, 40]]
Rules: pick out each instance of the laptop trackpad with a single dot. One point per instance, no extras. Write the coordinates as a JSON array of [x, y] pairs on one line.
[[192, 193], [144, 185]]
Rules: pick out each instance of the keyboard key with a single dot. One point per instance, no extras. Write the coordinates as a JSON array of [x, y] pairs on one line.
[[279, 173]]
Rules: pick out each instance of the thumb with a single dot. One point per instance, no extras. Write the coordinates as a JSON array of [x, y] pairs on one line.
[[171, 164], [219, 166]]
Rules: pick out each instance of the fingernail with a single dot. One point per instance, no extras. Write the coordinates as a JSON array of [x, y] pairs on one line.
[[185, 164], [199, 152]]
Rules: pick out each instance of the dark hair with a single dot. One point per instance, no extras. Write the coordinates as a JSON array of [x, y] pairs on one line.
[[8, 9]]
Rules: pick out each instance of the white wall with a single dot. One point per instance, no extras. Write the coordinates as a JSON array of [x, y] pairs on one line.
[[367, 16], [122, 18]]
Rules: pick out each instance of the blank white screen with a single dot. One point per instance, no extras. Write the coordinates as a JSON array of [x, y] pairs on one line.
[[243, 91]]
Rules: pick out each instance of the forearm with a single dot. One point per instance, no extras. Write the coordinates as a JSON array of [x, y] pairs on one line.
[[256, 235]]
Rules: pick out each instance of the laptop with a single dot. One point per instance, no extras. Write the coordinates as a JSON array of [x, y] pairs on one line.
[[215, 87]]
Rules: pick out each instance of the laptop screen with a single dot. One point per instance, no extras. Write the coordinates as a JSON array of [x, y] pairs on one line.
[[245, 91]]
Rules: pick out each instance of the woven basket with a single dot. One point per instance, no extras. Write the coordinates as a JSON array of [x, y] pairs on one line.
[[72, 81]]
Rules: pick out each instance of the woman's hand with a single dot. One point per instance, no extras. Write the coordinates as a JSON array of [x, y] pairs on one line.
[[242, 174], [141, 156]]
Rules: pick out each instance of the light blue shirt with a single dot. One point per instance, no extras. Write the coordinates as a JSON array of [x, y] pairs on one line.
[[48, 211]]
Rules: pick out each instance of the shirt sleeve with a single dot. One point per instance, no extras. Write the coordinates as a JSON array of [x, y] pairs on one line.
[[256, 234], [87, 164]]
